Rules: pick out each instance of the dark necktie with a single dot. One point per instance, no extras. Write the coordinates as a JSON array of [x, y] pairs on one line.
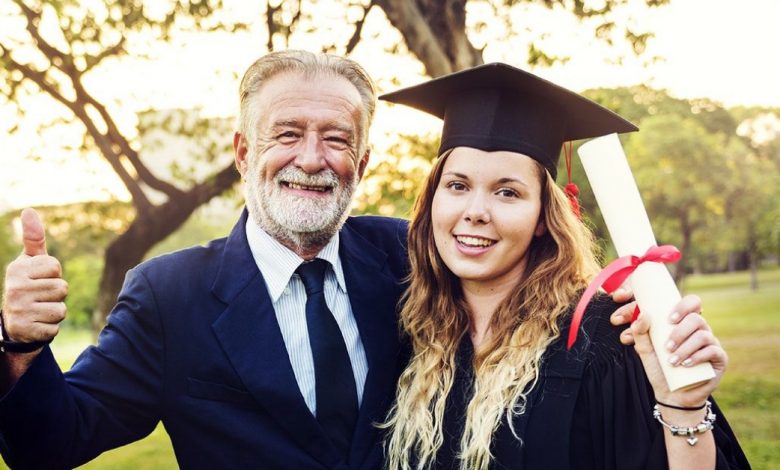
[[334, 381]]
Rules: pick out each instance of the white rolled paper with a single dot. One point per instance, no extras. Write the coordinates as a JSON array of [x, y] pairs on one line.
[[626, 218]]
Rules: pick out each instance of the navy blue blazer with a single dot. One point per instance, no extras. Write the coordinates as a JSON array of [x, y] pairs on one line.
[[193, 341]]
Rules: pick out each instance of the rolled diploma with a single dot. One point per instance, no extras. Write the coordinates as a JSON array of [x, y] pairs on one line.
[[654, 289]]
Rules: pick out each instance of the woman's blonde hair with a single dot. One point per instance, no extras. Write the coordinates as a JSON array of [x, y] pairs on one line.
[[436, 318]]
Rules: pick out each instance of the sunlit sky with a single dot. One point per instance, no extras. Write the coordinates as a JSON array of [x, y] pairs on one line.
[[721, 49]]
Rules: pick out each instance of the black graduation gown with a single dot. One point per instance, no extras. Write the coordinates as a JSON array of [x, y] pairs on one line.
[[591, 409]]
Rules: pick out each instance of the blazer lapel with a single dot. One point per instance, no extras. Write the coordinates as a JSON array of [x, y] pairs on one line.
[[250, 336], [373, 293]]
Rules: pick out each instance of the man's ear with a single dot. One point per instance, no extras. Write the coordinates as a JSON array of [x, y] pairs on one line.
[[240, 151], [363, 163]]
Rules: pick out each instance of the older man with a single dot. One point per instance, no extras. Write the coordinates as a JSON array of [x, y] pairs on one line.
[[275, 347]]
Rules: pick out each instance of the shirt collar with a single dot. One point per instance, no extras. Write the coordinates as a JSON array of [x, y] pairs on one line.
[[278, 263]]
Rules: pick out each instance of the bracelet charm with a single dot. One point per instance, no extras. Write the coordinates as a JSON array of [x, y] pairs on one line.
[[688, 431]]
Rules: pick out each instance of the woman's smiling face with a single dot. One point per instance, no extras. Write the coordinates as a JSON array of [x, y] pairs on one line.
[[485, 214]]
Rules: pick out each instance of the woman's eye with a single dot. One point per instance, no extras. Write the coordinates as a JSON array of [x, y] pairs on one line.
[[506, 192], [456, 185]]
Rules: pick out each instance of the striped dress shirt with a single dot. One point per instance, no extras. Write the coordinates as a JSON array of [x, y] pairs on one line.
[[278, 265]]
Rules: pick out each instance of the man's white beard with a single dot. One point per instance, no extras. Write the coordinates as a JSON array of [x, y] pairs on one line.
[[296, 220]]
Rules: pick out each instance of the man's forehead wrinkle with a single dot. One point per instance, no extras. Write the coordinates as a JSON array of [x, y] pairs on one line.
[[320, 87], [292, 122], [296, 100]]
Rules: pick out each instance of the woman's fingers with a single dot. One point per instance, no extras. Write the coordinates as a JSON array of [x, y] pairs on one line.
[[713, 353], [698, 340], [622, 294], [622, 316], [686, 306], [683, 330]]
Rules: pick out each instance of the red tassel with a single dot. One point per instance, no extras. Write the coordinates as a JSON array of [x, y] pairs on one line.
[[571, 189]]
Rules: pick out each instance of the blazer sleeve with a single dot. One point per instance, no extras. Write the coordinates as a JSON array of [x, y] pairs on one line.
[[110, 397]]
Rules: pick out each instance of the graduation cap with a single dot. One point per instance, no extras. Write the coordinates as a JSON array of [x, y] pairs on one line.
[[499, 107]]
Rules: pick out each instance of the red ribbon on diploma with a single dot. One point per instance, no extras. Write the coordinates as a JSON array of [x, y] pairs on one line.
[[613, 276]]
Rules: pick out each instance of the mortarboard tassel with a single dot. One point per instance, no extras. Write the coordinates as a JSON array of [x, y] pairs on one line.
[[571, 189]]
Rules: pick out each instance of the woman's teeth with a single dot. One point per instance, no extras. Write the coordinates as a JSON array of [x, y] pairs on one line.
[[473, 241]]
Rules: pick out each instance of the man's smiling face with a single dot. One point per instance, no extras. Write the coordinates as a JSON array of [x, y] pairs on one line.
[[302, 165]]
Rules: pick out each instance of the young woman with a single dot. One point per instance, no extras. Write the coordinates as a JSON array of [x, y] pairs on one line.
[[498, 259]]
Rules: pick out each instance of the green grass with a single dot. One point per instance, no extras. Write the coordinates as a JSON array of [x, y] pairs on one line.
[[747, 322], [748, 325]]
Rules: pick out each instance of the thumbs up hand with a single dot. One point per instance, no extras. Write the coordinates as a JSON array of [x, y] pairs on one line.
[[34, 292], [33, 235]]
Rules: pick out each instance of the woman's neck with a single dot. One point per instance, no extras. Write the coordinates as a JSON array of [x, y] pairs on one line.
[[483, 301]]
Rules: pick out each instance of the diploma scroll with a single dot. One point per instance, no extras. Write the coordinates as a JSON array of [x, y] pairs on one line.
[[626, 218]]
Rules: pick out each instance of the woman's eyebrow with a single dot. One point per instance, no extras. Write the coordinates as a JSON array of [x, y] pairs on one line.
[[512, 180], [455, 174]]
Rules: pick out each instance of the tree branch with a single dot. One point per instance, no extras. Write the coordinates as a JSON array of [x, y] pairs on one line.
[[56, 57], [77, 106], [270, 23], [215, 185], [92, 61], [353, 41], [293, 21], [428, 30], [82, 96], [39, 78], [112, 132]]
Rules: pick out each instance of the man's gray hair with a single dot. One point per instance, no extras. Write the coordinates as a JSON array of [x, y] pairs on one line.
[[309, 64]]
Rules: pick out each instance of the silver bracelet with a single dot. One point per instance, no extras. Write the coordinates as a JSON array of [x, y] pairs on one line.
[[689, 431]]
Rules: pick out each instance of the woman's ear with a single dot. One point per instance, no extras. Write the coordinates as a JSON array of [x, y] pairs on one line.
[[541, 228]]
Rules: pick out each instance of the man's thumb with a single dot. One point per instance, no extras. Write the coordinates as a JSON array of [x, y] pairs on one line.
[[33, 236]]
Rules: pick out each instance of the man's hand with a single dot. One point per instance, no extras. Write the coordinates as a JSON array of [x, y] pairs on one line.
[[33, 304]]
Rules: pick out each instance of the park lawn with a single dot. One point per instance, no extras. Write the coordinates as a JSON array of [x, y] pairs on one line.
[[747, 322]]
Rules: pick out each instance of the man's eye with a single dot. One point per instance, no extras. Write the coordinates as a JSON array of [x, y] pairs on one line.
[[287, 136], [337, 143]]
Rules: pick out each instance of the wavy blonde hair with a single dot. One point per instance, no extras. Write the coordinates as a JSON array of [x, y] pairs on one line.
[[436, 318]]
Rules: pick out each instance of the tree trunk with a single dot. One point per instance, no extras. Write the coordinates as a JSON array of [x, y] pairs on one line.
[[682, 266], [753, 257], [753, 272], [732, 262], [147, 229], [435, 32]]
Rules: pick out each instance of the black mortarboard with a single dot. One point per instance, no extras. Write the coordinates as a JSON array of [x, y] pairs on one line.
[[499, 107]]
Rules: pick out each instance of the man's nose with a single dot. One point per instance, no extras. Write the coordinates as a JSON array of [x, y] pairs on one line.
[[310, 157]]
